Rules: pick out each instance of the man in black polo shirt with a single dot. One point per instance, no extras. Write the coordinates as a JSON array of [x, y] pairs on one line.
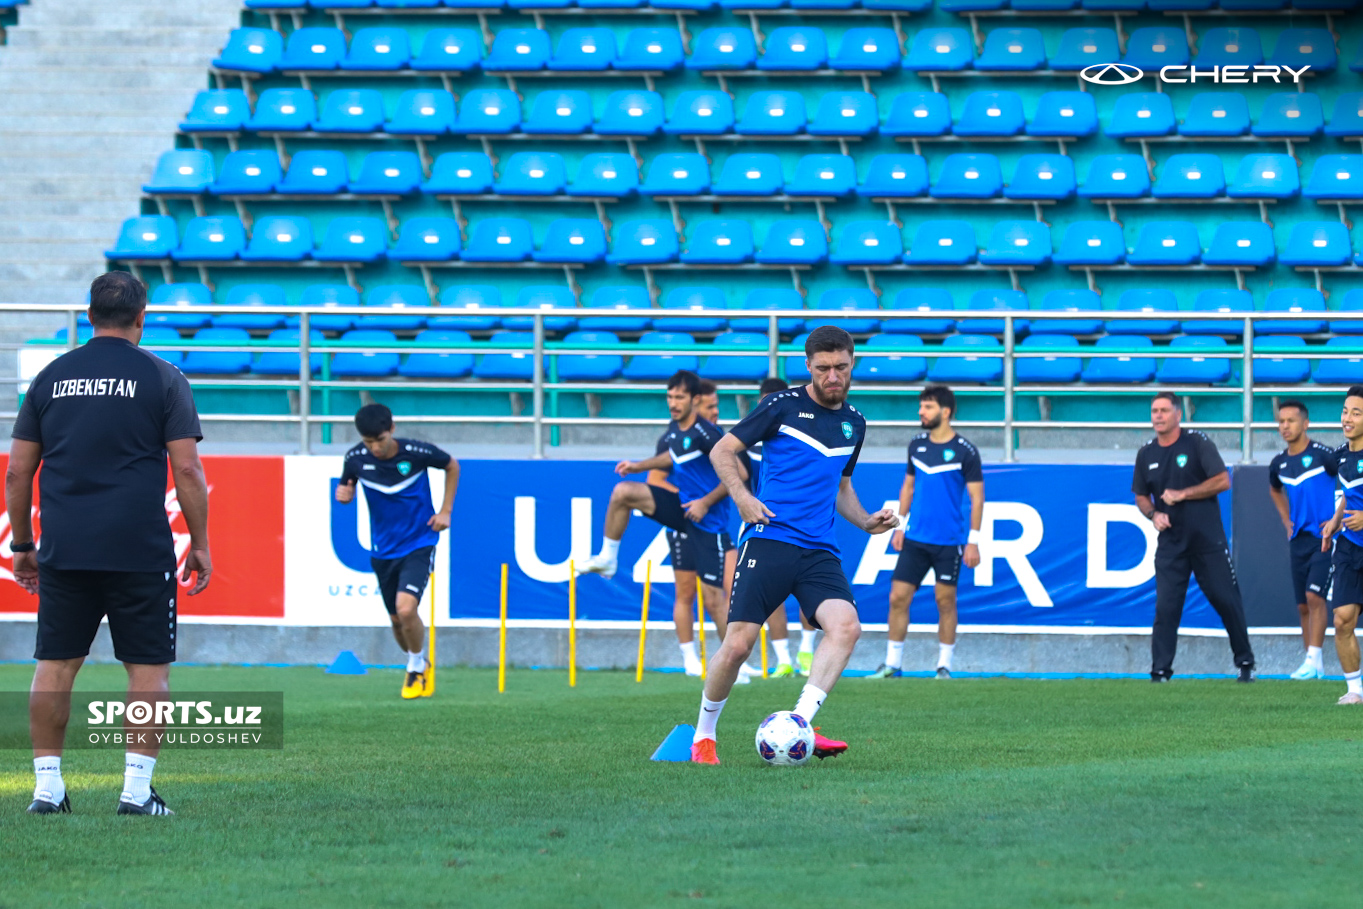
[[1178, 476], [100, 421]]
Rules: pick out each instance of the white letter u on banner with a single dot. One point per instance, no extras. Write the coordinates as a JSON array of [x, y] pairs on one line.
[[579, 535]]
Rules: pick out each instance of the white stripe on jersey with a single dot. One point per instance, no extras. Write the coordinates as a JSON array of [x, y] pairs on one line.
[[389, 490], [817, 445]]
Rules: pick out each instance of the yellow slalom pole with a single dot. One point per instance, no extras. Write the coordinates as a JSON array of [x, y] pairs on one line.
[[643, 621], [501, 641], [700, 608], [572, 624], [763, 635], [431, 656]]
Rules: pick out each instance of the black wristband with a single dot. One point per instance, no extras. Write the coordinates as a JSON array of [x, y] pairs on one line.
[[21, 547]]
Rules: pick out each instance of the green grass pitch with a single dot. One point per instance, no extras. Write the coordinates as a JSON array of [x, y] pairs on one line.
[[969, 793]]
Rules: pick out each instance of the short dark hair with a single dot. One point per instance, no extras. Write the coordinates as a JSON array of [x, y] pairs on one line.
[[1299, 405], [1170, 397], [943, 395], [685, 378], [827, 339], [772, 385], [116, 298], [707, 388], [373, 420], [1355, 391]]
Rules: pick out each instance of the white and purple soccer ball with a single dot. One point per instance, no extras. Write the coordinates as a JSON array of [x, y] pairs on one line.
[[784, 739]]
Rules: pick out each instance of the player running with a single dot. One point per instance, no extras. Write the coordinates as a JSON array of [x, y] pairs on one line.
[[942, 468], [1345, 593], [812, 440], [403, 526], [1302, 484]]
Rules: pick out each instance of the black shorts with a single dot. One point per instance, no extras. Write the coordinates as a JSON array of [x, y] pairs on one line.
[[1310, 566], [916, 558], [770, 570], [407, 574], [1346, 574], [682, 557], [700, 551], [140, 606]]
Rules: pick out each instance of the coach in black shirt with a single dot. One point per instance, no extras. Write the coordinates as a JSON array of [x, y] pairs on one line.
[[1178, 476], [99, 421]]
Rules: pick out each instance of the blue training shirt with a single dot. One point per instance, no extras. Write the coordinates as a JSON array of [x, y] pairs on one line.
[[398, 494], [807, 450], [1308, 480], [693, 474], [940, 511], [1351, 478]]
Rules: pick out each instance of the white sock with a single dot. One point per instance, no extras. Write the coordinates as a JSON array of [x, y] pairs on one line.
[[610, 548], [708, 719], [811, 699], [50, 787], [1315, 657], [416, 661], [690, 653], [782, 648], [807, 640], [894, 654], [944, 652], [137, 769], [1355, 682]]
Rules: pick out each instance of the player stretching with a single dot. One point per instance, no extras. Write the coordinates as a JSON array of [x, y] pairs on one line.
[[1302, 483], [1346, 571], [812, 439], [403, 526], [942, 467]]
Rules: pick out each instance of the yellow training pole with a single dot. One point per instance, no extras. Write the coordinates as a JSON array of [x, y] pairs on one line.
[[501, 644], [763, 635], [572, 624], [700, 608], [431, 656], [643, 621]]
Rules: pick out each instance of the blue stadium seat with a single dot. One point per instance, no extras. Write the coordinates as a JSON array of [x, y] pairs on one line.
[[1166, 243], [427, 240], [1054, 368], [1141, 115], [660, 367], [926, 299], [720, 242], [581, 240], [1042, 177], [479, 303], [943, 243], [438, 365], [645, 242], [794, 242], [488, 111], [356, 111], [515, 366], [518, 50], [1236, 46], [317, 49], [186, 297], [701, 113], [1116, 177], [590, 367], [704, 301], [918, 114], [1151, 301], [500, 240], [211, 239], [1346, 118], [1193, 176], [548, 297], [867, 50], [991, 114], [1194, 370], [1012, 49], [738, 369], [585, 50], [750, 174], [1320, 244], [793, 367], [164, 334], [422, 112], [1265, 177], [610, 175], [394, 173], [257, 297], [845, 114], [1120, 370], [632, 304], [1064, 114], [219, 110], [186, 170], [941, 50], [899, 6], [1080, 48], [651, 49], [1017, 243], [1243, 243], [218, 362], [1291, 115], [900, 176], [145, 237], [1004, 300], [251, 50], [562, 113], [1293, 299], [329, 296], [1091, 243], [1340, 372], [897, 368], [1220, 300], [353, 240], [979, 368], [683, 174], [1298, 47], [316, 172], [771, 298], [382, 49], [1157, 46], [773, 113], [823, 175], [1218, 114], [1336, 177], [851, 299], [968, 177], [631, 113], [284, 110], [364, 363], [723, 48], [457, 50], [468, 173], [795, 48], [1068, 301], [868, 243], [397, 296], [1352, 302], [533, 174]]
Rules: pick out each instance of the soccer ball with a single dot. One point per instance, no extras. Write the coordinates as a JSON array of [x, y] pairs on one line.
[[785, 740]]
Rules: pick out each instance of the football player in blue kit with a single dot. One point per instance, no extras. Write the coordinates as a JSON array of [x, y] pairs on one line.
[[1301, 481], [404, 526], [1345, 594], [943, 472], [811, 440]]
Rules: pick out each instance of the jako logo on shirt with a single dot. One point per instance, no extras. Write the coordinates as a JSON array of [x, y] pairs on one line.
[[404, 467], [1181, 460], [1306, 461], [948, 455], [847, 430]]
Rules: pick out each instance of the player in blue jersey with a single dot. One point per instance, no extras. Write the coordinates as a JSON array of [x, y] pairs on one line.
[[943, 473], [404, 526], [1345, 594], [1301, 481], [811, 440]]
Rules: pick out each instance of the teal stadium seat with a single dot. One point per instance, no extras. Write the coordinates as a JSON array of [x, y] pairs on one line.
[[1290, 115], [460, 173], [1166, 243], [1012, 49], [1068, 301], [1116, 177], [1265, 177], [609, 175], [1053, 369], [750, 174], [991, 114], [1317, 244], [965, 176], [554, 299], [684, 174], [218, 362], [396, 296], [149, 237], [286, 362], [488, 112], [868, 243], [1091, 243], [738, 369], [590, 367], [316, 172], [773, 113], [251, 50], [1080, 48], [940, 50], [1017, 243], [1194, 370], [645, 242], [313, 49], [365, 363], [925, 299], [500, 240], [630, 302], [631, 113], [253, 172], [909, 367], [438, 365], [1141, 115], [217, 110], [1216, 114], [477, 303], [1005, 300], [845, 114], [181, 171], [983, 365], [330, 296], [701, 300], [390, 173], [422, 112], [867, 50], [427, 240], [1303, 300], [795, 48], [852, 299], [1070, 115], [1281, 370], [1343, 371], [381, 49], [1152, 301], [584, 50], [1235, 46], [457, 50], [1336, 177], [211, 238], [253, 297], [660, 367], [793, 242], [353, 239], [533, 174], [823, 175], [701, 113], [573, 240], [723, 48], [899, 176], [918, 115], [942, 243], [1042, 177], [283, 110], [1241, 243], [352, 111], [651, 49], [1220, 300], [1298, 47], [518, 50], [1120, 369], [186, 297], [1157, 46]]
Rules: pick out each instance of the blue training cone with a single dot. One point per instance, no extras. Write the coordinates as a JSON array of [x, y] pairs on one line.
[[346, 663], [677, 745]]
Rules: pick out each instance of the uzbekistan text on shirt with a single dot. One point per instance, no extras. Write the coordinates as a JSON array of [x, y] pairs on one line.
[[119, 388]]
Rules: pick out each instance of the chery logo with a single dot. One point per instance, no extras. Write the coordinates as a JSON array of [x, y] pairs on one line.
[[1126, 73], [1111, 74]]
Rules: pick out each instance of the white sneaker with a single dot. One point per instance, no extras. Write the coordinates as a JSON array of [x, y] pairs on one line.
[[1351, 698], [1307, 670], [599, 564], [693, 669]]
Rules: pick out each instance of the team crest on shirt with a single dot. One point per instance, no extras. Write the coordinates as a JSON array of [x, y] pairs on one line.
[[404, 467], [948, 454], [1181, 460], [847, 430], [1306, 461], [686, 442]]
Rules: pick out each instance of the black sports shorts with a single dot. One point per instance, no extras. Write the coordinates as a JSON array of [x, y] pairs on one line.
[[1346, 574], [700, 551], [405, 574], [770, 570], [140, 606], [682, 557], [1310, 566], [916, 558]]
